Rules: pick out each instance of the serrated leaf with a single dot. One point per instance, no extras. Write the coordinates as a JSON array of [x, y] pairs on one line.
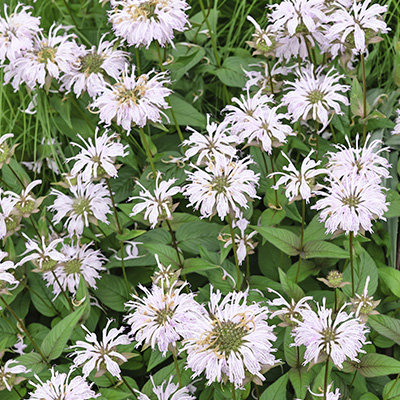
[[277, 390], [32, 361], [386, 326], [185, 113], [391, 277], [373, 365], [321, 249], [197, 264], [293, 290], [112, 291], [55, 341], [283, 239], [156, 358], [301, 378]]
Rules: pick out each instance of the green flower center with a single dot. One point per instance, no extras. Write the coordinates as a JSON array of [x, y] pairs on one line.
[[164, 315], [145, 10], [25, 206], [48, 264], [46, 53], [73, 266], [91, 64], [4, 152], [11, 223], [329, 335], [351, 201], [219, 184], [227, 337], [133, 95], [335, 278], [315, 96], [81, 205]]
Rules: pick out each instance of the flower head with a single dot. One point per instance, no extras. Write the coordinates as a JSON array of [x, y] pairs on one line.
[[300, 184], [225, 184], [5, 151], [92, 68], [358, 26], [133, 100], [157, 319], [363, 304], [89, 203], [206, 146], [159, 205], [97, 159], [139, 22], [315, 96], [79, 261], [26, 204], [61, 387], [47, 59], [329, 395], [351, 204], [233, 342], [17, 31], [9, 220], [263, 40], [102, 356], [8, 374], [339, 338], [363, 161]]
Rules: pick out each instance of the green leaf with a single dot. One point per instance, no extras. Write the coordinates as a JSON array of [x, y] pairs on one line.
[[156, 358], [373, 365], [277, 390], [386, 326], [184, 59], [321, 249], [197, 264], [356, 99], [231, 73], [185, 113], [271, 217], [54, 343], [364, 266], [293, 290], [32, 361], [369, 396], [301, 378], [166, 253], [283, 239], [391, 277], [112, 291], [315, 230], [289, 351]]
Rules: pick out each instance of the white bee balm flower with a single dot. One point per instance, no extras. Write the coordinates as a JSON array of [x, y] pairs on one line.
[[233, 342], [103, 355], [139, 22]]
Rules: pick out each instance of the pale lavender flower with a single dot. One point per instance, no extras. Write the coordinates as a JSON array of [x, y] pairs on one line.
[[224, 186], [79, 261], [171, 391], [92, 68], [133, 100], [139, 22], [339, 337], [97, 159], [20, 346], [300, 184], [7, 277], [351, 204], [89, 203], [244, 242], [233, 342], [9, 372], [47, 59], [289, 312], [315, 96], [329, 395], [132, 251], [263, 40], [61, 386], [158, 205], [158, 319], [43, 254], [5, 151], [261, 79], [364, 161], [101, 355], [17, 31], [359, 25], [396, 129], [207, 145], [9, 222]]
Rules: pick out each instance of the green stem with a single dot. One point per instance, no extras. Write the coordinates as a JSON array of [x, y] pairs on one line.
[[351, 261], [174, 243], [335, 305], [114, 207], [22, 325], [178, 373], [178, 128], [70, 13], [270, 78], [146, 147], [352, 381], [274, 178], [16, 175], [128, 386], [138, 60], [233, 392], [303, 217], [239, 274], [63, 291], [364, 80], [265, 163], [248, 266], [326, 377], [18, 393]]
